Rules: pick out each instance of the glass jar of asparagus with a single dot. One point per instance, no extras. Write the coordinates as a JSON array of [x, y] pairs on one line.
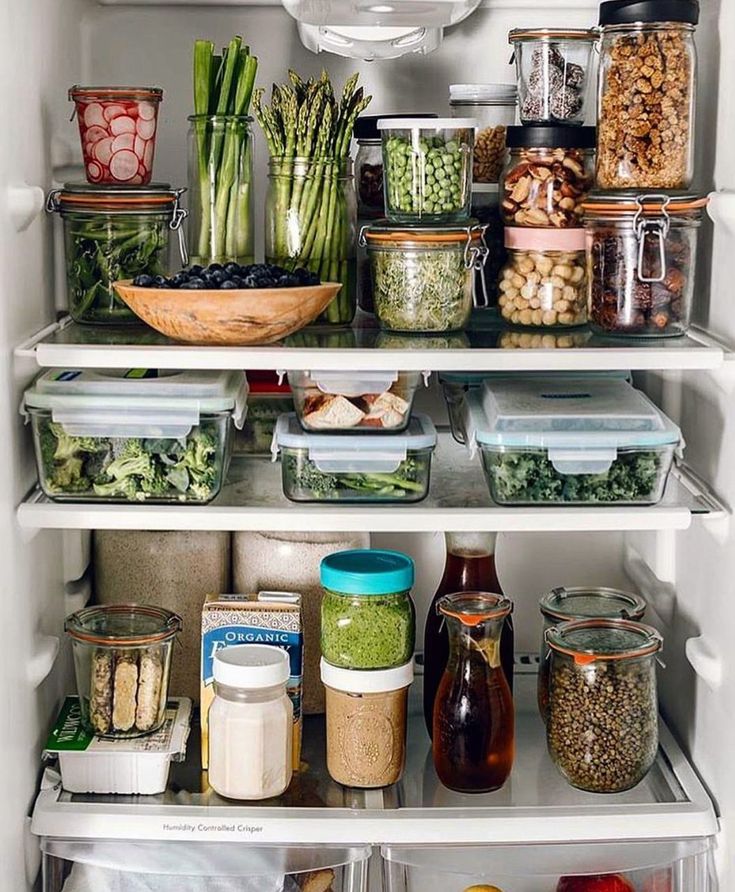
[[221, 155], [311, 209]]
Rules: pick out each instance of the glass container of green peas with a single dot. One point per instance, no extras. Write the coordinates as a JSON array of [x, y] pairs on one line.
[[427, 168]]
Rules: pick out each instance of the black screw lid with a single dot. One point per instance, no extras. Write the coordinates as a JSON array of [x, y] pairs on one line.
[[551, 137], [628, 12], [366, 126]]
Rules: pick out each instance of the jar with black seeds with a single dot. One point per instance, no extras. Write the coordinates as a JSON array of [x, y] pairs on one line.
[[602, 730]]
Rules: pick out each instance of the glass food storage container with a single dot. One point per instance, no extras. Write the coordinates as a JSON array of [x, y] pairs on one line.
[[547, 176], [117, 129], [221, 220], [427, 164], [267, 399], [368, 618], [136, 435], [567, 441], [642, 252], [366, 401], [494, 108], [423, 278], [602, 728], [544, 281], [112, 233], [554, 70], [122, 661], [366, 724], [647, 92], [580, 602]]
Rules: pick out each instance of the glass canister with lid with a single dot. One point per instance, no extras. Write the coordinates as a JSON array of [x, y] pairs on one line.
[[112, 233], [642, 252], [647, 92], [423, 276], [368, 617], [580, 602], [602, 728], [494, 108], [554, 69]]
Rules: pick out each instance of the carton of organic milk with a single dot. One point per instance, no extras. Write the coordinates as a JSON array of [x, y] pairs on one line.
[[265, 618]]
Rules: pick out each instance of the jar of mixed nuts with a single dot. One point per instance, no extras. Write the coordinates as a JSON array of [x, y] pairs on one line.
[[549, 172], [647, 94], [642, 262], [602, 728], [580, 602], [544, 281], [494, 108]]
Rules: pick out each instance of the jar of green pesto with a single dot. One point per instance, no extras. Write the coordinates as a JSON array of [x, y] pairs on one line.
[[368, 617]]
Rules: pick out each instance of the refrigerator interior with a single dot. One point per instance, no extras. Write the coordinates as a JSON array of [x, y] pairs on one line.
[[48, 45]]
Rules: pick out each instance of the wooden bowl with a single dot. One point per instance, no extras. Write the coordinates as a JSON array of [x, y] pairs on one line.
[[228, 318]]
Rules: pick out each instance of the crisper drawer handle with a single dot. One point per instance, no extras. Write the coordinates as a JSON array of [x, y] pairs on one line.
[[349, 461], [582, 461], [101, 422]]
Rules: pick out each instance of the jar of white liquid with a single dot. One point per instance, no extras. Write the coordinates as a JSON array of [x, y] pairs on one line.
[[250, 722]]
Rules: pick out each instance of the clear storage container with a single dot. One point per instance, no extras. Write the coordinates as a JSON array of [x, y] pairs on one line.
[[647, 93], [554, 69], [642, 262], [423, 277], [122, 661], [112, 233], [136, 435], [493, 106], [548, 174], [366, 401], [427, 166], [602, 728], [567, 441], [368, 619], [355, 468], [544, 281], [267, 399]]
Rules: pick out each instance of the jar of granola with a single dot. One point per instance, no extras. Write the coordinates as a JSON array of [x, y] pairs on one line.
[[647, 94]]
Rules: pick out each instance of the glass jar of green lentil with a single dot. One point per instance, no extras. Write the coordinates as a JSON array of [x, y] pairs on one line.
[[368, 617], [427, 168]]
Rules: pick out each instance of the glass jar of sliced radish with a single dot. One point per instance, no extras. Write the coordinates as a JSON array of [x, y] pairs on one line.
[[117, 127], [113, 233]]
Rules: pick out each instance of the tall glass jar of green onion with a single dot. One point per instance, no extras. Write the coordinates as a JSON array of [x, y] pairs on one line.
[[220, 189], [311, 221]]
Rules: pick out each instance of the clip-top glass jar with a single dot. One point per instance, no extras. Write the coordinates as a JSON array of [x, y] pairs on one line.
[[642, 252], [580, 602], [112, 233], [494, 108], [647, 92], [368, 617], [602, 728]]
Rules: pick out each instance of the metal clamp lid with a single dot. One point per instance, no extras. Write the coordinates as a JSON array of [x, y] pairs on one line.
[[656, 227]]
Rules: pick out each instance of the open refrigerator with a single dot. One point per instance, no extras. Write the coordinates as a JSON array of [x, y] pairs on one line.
[[673, 831]]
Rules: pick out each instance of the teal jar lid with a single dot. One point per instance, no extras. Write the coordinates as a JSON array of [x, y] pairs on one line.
[[367, 571]]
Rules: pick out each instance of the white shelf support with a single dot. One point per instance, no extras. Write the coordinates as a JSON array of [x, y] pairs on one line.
[[660, 594], [705, 661], [41, 661]]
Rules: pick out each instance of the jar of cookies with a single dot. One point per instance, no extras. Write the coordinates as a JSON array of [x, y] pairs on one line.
[[647, 94], [544, 283], [549, 172], [642, 262], [494, 108]]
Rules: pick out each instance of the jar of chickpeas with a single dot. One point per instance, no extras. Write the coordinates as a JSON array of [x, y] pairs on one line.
[[544, 282]]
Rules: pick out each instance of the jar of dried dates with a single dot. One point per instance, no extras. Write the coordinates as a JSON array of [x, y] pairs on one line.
[[549, 172], [642, 262], [647, 94]]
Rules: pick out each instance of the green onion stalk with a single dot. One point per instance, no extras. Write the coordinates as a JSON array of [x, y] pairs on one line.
[[220, 178], [310, 214]]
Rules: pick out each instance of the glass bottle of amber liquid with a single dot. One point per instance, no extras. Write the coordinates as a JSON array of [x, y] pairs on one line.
[[470, 566], [474, 724]]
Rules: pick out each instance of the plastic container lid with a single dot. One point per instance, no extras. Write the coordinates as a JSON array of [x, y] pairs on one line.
[[495, 93], [349, 383], [367, 571], [251, 666], [524, 238], [556, 136], [587, 640], [629, 12], [125, 625], [427, 123], [366, 681], [366, 126], [582, 602]]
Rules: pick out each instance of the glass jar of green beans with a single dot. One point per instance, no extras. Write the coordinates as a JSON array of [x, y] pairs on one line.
[[427, 168], [311, 221], [113, 233]]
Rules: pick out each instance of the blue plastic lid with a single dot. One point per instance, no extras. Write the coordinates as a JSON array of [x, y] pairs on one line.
[[367, 571]]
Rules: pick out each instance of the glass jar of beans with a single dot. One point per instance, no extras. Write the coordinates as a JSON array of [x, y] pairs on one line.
[[494, 108], [544, 281], [602, 728]]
